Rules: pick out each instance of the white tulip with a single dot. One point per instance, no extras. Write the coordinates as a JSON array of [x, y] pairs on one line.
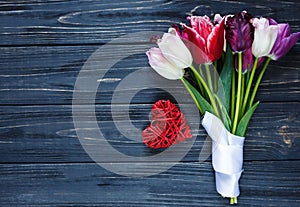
[[163, 66], [264, 37], [175, 50]]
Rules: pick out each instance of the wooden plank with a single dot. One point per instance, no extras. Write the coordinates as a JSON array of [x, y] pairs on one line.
[[185, 184], [47, 75], [45, 134], [93, 22], [44, 44]]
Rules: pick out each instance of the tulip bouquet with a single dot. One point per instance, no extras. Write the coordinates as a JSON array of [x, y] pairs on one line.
[[217, 62]]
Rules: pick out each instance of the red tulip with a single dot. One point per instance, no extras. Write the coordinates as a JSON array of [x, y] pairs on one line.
[[204, 39]]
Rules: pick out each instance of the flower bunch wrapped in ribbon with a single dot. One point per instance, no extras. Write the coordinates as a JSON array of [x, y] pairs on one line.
[[217, 62]]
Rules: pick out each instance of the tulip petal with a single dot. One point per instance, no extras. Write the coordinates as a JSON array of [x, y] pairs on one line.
[[284, 30], [239, 32], [272, 21], [284, 41], [175, 50], [162, 66], [214, 41], [196, 44], [285, 45], [204, 40], [202, 25], [264, 37]]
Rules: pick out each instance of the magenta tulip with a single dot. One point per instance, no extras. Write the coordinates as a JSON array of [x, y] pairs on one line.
[[204, 39]]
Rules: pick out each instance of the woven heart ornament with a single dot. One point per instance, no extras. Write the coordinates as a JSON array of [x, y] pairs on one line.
[[168, 126]]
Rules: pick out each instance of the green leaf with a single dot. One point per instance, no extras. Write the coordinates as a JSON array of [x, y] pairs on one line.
[[225, 79], [242, 127], [205, 106], [227, 120], [225, 117]]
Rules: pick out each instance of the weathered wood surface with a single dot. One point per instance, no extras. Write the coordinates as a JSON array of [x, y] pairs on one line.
[[272, 183], [95, 22], [37, 74], [44, 45], [37, 134]]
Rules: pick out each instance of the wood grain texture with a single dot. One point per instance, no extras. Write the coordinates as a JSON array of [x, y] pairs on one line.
[[44, 45], [97, 21], [46, 75], [186, 184], [30, 134]]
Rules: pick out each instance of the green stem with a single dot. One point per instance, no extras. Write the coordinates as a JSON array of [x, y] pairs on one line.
[[248, 77], [192, 94], [201, 72], [233, 200], [241, 113], [232, 95], [242, 92], [238, 98], [249, 85], [212, 100], [224, 114], [200, 85], [208, 75], [220, 107], [215, 73], [258, 81], [215, 64]]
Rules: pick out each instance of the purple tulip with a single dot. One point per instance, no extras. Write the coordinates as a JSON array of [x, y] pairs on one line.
[[239, 31], [248, 60], [284, 41]]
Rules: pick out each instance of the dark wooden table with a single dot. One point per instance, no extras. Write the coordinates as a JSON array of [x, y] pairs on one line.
[[44, 45]]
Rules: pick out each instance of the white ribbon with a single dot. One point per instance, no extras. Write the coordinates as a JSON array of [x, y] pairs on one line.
[[227, 155]]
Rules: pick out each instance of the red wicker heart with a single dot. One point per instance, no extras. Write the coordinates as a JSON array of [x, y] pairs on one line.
[[168, 126]]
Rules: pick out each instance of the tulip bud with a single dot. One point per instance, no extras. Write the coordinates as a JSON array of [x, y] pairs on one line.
[[239, 31], [204, 39], [162, 65], [175, 50], [264, 37]]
